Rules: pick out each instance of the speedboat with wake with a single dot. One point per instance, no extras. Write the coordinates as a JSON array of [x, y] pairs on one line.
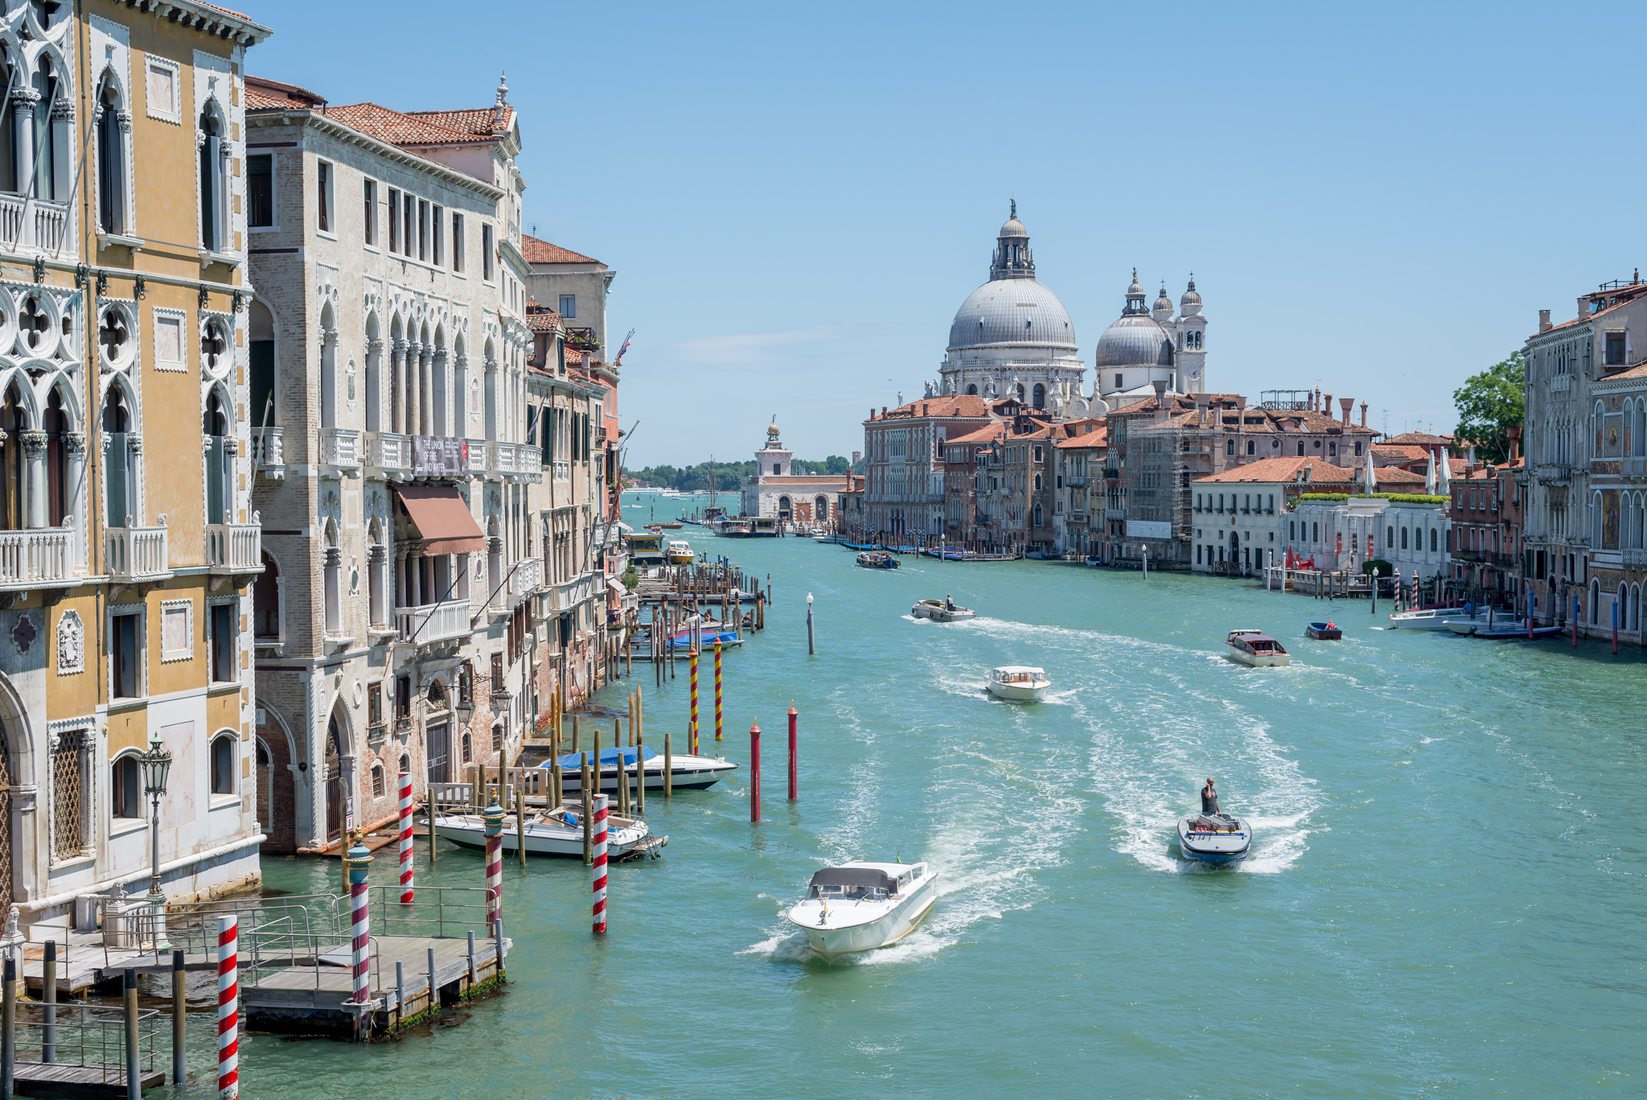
[[1018, 683], [686, 771], [942, 611], [860, 906], [556, 833], [1255, 649], [1214, 838]]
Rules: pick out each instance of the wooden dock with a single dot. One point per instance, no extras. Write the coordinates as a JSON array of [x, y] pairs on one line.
[[57, 1079], [310, 995]]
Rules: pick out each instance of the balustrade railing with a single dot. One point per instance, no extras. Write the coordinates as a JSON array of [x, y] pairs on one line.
[[389, 453], [234, 547], [44, 556], [268, 447], [435, 622], [136, 553], [340, 447], [527, 578]]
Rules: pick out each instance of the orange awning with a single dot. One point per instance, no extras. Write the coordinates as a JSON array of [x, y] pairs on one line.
[[442, 519]]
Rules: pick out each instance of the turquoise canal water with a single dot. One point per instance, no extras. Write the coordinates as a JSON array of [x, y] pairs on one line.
[[1445, 896]]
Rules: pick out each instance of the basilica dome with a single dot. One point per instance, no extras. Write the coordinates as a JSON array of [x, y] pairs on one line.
[[1012, 311], [1134, 340]]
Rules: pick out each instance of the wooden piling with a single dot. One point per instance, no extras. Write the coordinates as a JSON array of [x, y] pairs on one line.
[[8, 1026], [755, 773], [520, 818], [128, 993], [588, 803], [48, 1007], [575, 735], [180, 1022], [668, 769], [640, 775]]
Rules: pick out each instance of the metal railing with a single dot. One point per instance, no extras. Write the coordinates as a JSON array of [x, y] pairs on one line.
[[90, 1037], [439, 912]]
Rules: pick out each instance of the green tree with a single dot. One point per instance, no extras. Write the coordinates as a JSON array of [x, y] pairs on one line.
[[1490, 402]]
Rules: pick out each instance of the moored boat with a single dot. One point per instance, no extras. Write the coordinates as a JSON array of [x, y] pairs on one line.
[[1018, 683], [1256, 649], [556, 833], [942, 611], [860, 906], [877, 559], [679, 552], [687, 771], [1326, 632], [1214, 838], [1425, 618]]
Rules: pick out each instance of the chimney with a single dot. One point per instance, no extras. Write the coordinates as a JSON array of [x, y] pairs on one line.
[[883, 412], [1363, 414], [872, 412], [1513, 434], [923, 408], [1544, 320], [1345, 404], [1326, 406]]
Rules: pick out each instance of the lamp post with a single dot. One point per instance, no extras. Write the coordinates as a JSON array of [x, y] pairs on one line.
[[811, 647], [157, 765]]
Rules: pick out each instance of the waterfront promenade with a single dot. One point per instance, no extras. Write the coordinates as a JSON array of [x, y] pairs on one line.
[[1441, 899]]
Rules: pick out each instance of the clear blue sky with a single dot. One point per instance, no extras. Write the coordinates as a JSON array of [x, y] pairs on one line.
[[796, 198]]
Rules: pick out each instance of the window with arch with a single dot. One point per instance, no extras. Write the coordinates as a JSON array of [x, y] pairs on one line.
[[1389, 537], [1403, 538], [1252, 446], [468, 745], [377, 575], [126, 787], [1432, 540], [380, 783], [224, 756], [112, 125], [406, 763], [1039, 396], [69, 801], [1229, 448], [216, 425], [51, 142], [332, 580], [213, 180], [120, 483], [266, 602]]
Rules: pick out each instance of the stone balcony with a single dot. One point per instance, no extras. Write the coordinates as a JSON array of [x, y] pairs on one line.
[[388, 455], [340, 450], [433, 623], [527, 577], [233, 548], [136, 554], [1634, 556], [34, 559], [35, 225], [269, 451], [514, 461], [568, 594], [1551, 473]]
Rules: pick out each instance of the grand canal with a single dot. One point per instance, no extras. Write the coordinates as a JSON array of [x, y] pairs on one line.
[[1445, 896]]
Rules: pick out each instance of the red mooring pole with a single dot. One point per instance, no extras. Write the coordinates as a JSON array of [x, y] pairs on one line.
[[755, 773], [794, 779]]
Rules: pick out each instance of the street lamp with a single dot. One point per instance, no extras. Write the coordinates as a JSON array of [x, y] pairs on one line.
[[157, 765], [811, 646]]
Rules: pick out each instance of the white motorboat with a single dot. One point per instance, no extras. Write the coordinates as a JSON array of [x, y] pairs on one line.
[[942, 611], [686, 770], [679, 552], [1018, 683], [1486, 619], [860, 906], [1256, 649], [556, 833], [1428, 618], [1214, 838]]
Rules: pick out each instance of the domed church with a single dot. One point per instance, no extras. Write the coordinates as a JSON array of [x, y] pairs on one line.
[[1148, 345], [1012, 337]]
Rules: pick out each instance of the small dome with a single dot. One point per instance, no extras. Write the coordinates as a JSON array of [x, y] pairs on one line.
[[1136, 290], [1012, 311], [1135, 340], [772, 430], [1163, 302], [1012, 227], [1192, 297]]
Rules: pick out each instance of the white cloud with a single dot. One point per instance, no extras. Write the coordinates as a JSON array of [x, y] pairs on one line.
[[743, 348]]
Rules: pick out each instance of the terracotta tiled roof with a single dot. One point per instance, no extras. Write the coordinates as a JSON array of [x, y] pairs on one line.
[[541, 318], [965, 404], [263, 94], [1272, 471], [482, 122], [1625, 295], [989, 433], [539, 251], [1421, 439], [400, 128], [1634, 372], [1091, 440], [1400, 452]]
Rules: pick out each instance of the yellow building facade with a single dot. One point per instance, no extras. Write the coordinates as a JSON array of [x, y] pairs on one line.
[[127, 542]]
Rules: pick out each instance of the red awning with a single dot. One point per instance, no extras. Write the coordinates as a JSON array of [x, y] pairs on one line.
[[442, 519]]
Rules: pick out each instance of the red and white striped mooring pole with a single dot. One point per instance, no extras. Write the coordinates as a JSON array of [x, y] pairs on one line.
[[406, 885], [360, 927], [494, 867], [598, 863], [228, 1008]]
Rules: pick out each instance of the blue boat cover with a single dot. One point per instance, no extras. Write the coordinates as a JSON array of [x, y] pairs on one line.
[[608, 758]]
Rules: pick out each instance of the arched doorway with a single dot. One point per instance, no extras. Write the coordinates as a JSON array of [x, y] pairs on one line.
[[1235, 552], [6, 861], [785, 508], [335, 790], [277, 791], [820, 509]]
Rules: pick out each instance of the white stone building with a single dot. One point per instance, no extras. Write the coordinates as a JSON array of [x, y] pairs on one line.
[[776, 491], [1149, 345], [388, 385]]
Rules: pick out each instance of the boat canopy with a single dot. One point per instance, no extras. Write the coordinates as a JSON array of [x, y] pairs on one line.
[[868, 877], [608, 758]]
